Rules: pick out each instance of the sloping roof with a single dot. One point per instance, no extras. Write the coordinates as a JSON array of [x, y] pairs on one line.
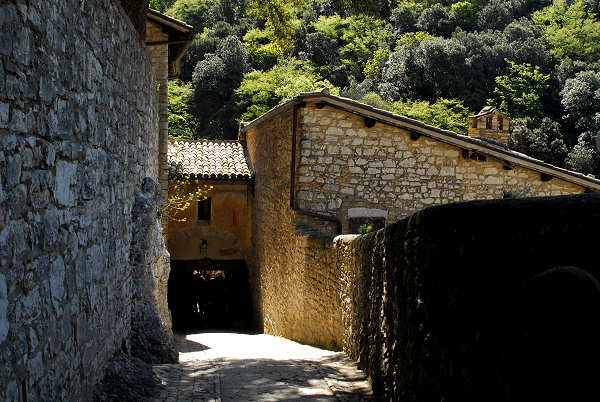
[[210, 160], [180, 34], [487, 110], [449, 137]]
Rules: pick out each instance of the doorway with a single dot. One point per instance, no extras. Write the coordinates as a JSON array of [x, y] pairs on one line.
[[210, 294]]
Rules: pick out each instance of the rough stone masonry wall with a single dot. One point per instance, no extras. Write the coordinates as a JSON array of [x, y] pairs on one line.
[[343, 164], [437, 306], [293, 296], [159, 59], [78, 133]]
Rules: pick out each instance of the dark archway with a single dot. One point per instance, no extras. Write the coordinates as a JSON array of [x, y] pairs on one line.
[[210, 294], [559, 349]]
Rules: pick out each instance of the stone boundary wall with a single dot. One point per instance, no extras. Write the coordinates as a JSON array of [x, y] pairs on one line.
[[343, 164], [78, 134], [446, 304]]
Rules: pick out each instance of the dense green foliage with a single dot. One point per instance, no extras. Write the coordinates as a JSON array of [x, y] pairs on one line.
[[434, 60]]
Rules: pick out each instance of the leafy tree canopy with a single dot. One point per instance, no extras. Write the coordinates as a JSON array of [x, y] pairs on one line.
[[182, 124], [542, 139], [262, 90], [572, 30], [519, 93], [449, 114]]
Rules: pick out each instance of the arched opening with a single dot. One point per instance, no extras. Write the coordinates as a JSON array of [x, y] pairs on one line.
[[209, 294], [560, 338], [209, 285]]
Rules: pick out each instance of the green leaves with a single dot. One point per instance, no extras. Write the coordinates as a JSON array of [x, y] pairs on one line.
[[182, 124], [449, 114], [262, 90], [518, 93], [573, 31]]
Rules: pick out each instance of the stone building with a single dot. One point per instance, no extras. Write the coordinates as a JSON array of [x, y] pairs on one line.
[[82, 256], [213, 233], [490, 123], [323, 165]]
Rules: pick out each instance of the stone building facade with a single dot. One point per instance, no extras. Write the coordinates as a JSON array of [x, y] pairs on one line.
[[324, 163], [79, 145]]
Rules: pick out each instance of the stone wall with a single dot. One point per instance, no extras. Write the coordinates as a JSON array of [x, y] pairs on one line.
[[461, 302], [295, 290], [78, 133], [343, 164], [272, 218], [159, 59], [457, 302]]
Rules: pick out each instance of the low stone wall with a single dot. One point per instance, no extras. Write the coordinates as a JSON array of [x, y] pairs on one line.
[[449, 304], [457, 302]]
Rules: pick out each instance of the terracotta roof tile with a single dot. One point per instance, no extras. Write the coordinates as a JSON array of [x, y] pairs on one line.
[[205, 159]]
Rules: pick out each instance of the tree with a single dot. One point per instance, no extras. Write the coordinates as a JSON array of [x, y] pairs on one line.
[[541, 139], [262, 90], [448, 114], [580, 99], [495, 15], [263, 51], [375, 65], [161, 5], [197, 13], [437, 20], [464, 14], [518, 93], [214, 80], [279, 17], [182, 124], [183, 190], [573, 31], [404, 19], [584, 158]]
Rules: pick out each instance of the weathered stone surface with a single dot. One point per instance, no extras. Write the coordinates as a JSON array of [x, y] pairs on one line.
[[433, 306], [385, 155], [151, 339], [78, 134]]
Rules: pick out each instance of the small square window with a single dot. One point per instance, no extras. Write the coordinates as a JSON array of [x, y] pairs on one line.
[[204, 210]]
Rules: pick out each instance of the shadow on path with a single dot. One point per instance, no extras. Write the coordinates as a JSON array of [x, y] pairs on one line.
[[244, 367]]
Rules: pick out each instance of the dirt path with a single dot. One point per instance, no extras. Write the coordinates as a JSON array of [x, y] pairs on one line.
[[240, 367]]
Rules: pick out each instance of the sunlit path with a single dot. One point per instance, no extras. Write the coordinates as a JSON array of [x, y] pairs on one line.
[[240, 367]]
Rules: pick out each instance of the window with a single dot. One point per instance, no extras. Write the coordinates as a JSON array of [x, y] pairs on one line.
[[488, 123], [204, 210], [500, 123]]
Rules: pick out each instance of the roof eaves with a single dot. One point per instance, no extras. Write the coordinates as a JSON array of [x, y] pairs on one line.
[[169, 21], [437, 133]]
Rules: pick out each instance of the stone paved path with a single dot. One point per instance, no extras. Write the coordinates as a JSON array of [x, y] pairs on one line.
[[240, 367]]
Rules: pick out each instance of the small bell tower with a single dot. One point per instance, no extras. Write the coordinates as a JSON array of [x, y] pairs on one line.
[[490, 123]]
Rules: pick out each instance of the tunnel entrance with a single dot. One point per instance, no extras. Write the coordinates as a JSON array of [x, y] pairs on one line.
[[210, 294]]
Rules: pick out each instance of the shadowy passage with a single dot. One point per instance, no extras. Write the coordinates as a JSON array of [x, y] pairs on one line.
[[241, 367], [209, 294]]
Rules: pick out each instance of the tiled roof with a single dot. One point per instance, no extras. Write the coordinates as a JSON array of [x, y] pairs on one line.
[[204, 159]]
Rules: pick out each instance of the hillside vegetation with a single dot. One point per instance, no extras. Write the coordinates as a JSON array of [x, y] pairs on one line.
[[436, 61]]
